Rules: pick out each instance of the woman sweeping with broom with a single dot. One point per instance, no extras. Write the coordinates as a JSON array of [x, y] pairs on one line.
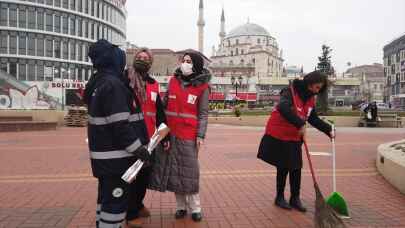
[[285, 130]]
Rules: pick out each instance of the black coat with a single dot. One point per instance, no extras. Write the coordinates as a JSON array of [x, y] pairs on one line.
[[116, 128], [288, 154]]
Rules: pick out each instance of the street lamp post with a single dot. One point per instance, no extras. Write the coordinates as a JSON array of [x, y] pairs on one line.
[[236, 82]]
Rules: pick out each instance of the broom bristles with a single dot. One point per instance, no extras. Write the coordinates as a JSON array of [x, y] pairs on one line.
[[325, 216]]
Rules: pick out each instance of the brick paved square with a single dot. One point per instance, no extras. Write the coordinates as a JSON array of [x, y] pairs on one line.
[[45, 181]]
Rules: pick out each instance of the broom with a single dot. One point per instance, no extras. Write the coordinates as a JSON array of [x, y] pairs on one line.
[[325, 216]]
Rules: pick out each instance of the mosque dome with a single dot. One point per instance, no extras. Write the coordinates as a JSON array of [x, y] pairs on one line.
[[248, 29]]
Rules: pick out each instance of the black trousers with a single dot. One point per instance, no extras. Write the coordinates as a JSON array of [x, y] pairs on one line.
[[295, 181], [137, 193], [112, 202], [118, 200]]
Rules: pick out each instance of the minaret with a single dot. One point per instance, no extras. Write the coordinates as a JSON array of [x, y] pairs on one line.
[[200, 25], [222, 33]]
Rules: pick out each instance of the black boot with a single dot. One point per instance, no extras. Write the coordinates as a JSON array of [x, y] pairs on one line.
[[197, 216], [281, 179], [180, 214], [295, 186], [281, 202], [296, 203]]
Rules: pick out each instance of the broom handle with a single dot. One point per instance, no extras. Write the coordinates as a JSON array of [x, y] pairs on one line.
[[334, 160], [310, 162], [303, 139]]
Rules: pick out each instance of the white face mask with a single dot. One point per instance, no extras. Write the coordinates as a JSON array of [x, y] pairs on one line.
[[186, 68]]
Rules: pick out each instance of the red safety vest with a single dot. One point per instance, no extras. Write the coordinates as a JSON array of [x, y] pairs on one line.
[[182, 109], [149, 107], [279, 128]]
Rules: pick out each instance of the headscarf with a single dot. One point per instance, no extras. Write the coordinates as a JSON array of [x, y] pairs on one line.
[[137, 79]]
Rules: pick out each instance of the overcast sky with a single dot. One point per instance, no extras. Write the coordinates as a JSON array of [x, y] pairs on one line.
[[356, 30]]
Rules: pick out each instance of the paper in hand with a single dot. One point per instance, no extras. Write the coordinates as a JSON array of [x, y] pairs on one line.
[[160, 133]]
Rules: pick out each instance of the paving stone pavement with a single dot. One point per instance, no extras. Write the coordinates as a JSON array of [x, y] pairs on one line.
[[45, 181]]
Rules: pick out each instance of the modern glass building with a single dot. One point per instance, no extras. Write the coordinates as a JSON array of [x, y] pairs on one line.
[[48, 40]]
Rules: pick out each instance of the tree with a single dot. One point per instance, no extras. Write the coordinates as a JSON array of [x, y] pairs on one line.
[[324, 66]]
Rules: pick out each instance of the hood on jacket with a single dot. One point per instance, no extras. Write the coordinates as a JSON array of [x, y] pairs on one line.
[[108, 60], [196, 80]]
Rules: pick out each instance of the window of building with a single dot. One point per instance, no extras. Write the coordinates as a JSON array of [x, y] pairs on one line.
[[31, 45], [73, 4], [92, 7], [13, 16], [31, 18], [49, 47], [48, 71], [3, 43], [86, 52], [237, 51], [72, 74], [40, 71], [65, 4], [31, 71], [72, 26], [3, 15], [40, 46], [86, 29], [49, 2], [40, 18], [97, 35], [79, 6], [13, 44], [72, 50], [91, 30], [65, 50], [22, 72], [80, 52], [57, 23], [22, 44], [104, 12], [41, 1], [258, 41], [56, 48], [57, 3], [231, 53], [79, 27], [65, 25], [49, 22], [56, 72], [86, 6], [13, 69], [65, 72], [97, 8], [237, 41], [22, 17]]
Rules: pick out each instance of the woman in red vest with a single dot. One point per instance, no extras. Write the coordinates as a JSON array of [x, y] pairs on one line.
[[187, 116], [281, 144], [146, 90]]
